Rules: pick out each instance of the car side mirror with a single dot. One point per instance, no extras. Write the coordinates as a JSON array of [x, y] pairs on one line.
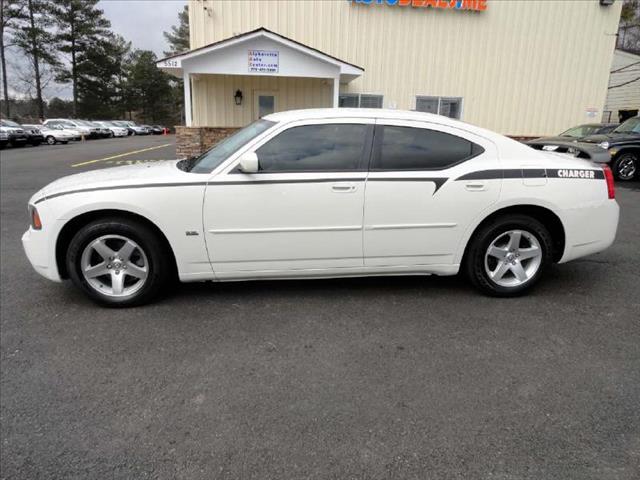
[[249, 162]]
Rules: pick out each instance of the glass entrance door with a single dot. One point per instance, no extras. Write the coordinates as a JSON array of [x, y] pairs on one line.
[[264, 103]]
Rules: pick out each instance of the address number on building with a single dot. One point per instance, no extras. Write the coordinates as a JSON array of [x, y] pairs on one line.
[[264, 61]]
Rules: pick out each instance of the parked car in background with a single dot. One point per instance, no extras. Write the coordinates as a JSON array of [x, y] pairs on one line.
[[142, 129], [83, 130], [124, 124], [623, 143], [17, 135], [581, 131], [96, 130], [4, 138], [35, 135], [285, 197], [55, 134], [114, 130], [157, 130]]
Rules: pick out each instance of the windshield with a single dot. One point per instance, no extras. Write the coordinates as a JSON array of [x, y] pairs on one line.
[[9, 123], [580, 131], [630, 126], [220, 152]]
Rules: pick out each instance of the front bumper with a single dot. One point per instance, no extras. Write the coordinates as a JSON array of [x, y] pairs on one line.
[[37, 247]]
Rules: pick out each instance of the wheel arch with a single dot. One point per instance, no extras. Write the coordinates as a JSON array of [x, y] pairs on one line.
[[76, 223], [544, 215], [622, 149]]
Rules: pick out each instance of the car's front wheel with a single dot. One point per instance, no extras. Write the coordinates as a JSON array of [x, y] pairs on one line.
[[625, 166], [50, 140], [118, 262], [508, 255]]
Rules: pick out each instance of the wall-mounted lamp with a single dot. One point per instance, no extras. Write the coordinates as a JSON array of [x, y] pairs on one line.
[[238, 97]]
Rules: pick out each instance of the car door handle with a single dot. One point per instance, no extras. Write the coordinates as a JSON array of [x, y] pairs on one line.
[[343, 187], [475, 186]]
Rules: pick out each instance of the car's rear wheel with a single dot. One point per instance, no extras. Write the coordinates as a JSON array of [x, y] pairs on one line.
[[50, 140], [118, 262], [625, 166], [508, 255]]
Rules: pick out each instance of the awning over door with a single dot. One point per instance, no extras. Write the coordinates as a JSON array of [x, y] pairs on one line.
[[260, 52]]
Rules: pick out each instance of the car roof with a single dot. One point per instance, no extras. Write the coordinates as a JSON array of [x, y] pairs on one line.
[[320, 113]]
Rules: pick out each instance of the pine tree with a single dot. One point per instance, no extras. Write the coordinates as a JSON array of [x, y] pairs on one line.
[[10, 12], [34, 38], [100, 78], [178, 37], [80, 27], [149, 87]]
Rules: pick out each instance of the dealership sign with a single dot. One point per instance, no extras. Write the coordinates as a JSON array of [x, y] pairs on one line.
[[264, 61], [474, 5]]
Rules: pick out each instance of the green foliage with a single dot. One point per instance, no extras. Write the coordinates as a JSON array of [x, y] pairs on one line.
[[81, 29], [149, 90], [101, 78], [178, 37]]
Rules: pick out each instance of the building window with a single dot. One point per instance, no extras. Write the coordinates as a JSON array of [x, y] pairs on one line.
[[360, 100], [448, 106]]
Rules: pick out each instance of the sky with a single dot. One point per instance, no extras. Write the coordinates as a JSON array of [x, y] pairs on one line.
[[142, 22]]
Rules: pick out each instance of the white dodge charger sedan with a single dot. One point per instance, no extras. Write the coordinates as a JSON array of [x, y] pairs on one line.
[[326, 193]]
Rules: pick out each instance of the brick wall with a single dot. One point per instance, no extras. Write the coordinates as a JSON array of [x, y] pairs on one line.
[[192, 141]]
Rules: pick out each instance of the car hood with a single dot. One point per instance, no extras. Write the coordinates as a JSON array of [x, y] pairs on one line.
[[150, 173], [612, 137], [557, 139]]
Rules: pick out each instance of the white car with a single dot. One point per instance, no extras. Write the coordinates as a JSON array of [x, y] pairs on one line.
[[83, 129], [55, 134], [326, 193], [116, 131]]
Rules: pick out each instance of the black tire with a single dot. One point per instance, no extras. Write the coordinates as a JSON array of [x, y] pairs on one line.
[[133, 134], [626, 166], [160, 269], [50, 140], [474, 260], [111, 135]]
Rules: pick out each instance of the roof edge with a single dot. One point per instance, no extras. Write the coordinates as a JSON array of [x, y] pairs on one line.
[[251, 32]]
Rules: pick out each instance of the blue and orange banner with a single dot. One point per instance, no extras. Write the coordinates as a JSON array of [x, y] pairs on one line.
[[473, 5]]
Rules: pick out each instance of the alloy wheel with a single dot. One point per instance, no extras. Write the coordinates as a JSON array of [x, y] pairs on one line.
[[114, 265], [626, 167], [513, 258]]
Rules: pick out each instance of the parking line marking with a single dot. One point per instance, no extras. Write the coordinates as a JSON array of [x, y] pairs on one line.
[[122, 155]]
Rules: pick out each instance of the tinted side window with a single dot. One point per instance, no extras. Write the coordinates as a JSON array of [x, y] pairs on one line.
[[331, 147], [407, 148]]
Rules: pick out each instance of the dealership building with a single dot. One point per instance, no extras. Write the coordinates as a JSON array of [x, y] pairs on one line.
[[520, 67]]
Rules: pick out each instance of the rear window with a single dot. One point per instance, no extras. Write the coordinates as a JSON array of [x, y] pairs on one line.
[[409, 148]]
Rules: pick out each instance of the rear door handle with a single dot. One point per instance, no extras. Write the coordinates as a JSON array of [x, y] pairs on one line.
[[343, 187], [475, 186]]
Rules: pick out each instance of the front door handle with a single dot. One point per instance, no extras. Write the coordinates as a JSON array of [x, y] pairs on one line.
[[343, 187], [475, 186]]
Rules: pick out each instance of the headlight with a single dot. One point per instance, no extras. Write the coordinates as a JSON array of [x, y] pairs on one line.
[[604, 145]]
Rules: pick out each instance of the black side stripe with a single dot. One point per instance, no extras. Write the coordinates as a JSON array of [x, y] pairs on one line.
[[568, 173], [119, 187], [439, 181], [579, 174]]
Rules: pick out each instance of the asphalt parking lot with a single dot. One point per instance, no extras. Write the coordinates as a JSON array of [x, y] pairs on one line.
[[348, 379]]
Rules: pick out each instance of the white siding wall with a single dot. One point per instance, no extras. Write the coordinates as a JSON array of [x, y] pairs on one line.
[[628, 96], [523, 67]]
